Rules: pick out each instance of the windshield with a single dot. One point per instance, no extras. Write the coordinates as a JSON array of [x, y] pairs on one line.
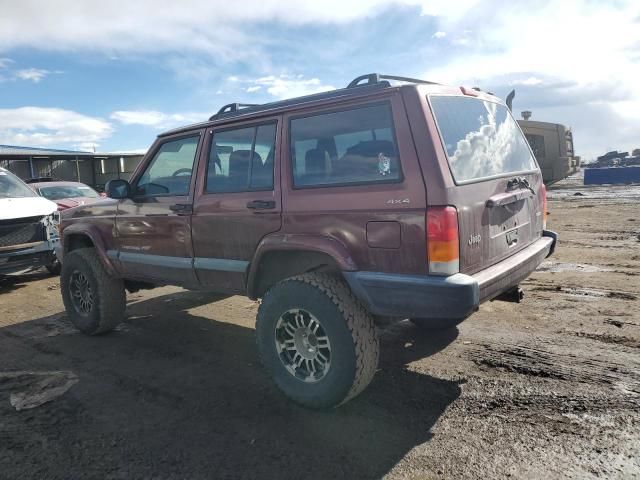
[[12, 187], [481, 138], [57, 192]]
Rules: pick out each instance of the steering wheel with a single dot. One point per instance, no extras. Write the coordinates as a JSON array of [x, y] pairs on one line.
[[162, 188], [181, 171]]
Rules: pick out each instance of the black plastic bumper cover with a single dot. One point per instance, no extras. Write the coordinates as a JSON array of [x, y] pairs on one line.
[[456, 296]]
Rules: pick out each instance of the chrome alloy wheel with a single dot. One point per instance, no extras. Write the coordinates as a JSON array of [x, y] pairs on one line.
[[302, 345], [81, 294]]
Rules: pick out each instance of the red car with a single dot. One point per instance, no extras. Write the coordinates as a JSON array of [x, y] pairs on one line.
[[67, 194]]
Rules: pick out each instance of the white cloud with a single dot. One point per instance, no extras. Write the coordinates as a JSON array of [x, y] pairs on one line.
[[253, 88], [287, 86], [217, 27], [529, 81], [32, 74], [87, 146], [5, 62], [581, 51], [36, 126], [156, 119], [590, 61]]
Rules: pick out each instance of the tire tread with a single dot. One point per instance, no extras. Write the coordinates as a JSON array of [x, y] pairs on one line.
[[111, 296]]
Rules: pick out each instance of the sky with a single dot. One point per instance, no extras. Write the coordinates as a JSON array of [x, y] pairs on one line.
[[110, 75]]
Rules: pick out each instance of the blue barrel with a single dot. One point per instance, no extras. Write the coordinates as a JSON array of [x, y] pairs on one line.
[[599, 176]]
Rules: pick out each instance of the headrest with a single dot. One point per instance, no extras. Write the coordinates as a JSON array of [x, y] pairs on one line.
[[239, 162], [315, 161]]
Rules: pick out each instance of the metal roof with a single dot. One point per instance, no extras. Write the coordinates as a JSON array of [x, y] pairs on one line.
[[39, 152], [14, 149]]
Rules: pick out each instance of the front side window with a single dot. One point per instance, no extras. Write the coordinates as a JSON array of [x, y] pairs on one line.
[[169, 173], [481, 138], [242, 159], [354, 146]]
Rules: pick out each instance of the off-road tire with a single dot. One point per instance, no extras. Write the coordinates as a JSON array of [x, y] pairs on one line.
[[436, 324], [109, 295], [350, 328]]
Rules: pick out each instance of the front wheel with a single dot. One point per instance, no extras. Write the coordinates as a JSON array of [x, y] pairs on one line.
[[316, 340], [54, 267], [95, 302]]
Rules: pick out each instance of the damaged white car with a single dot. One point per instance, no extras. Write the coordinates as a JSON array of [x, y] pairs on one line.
[[28, 228]]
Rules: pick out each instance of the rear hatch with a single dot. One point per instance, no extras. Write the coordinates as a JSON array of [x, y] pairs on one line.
[[498, 189]]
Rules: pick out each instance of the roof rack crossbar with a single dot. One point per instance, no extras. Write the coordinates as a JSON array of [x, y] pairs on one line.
[[373, 78], [232, 107]]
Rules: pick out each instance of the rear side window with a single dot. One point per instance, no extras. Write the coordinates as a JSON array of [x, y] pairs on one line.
[[241, 159], [481, 138], [355, 146]]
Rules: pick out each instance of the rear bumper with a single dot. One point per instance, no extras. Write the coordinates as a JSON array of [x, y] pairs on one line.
[[456, 296]]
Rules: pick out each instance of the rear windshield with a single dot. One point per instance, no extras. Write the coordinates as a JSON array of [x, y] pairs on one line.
[[58, 192], [481, 138]]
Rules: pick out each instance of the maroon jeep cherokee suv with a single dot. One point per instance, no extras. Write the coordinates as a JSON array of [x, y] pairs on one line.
[[339, 210]]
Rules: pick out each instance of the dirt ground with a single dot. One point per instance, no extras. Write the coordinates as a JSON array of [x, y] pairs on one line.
[[549, 388]]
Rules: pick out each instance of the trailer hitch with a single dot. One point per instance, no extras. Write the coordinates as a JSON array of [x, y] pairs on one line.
[[515, 295]]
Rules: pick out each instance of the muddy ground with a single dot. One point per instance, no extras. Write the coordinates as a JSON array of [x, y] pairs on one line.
[[549, 388]]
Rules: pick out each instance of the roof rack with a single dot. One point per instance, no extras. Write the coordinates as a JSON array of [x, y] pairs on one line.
[[232, 107], [372, 79], [376, 78]]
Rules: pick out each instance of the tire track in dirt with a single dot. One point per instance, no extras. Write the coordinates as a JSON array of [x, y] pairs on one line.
[[570, 367]]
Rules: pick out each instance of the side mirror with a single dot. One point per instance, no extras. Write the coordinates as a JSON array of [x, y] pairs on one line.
[[118, 189]]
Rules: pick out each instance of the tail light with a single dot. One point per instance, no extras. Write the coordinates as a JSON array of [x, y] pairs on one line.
[[543, 202], [443, 244]]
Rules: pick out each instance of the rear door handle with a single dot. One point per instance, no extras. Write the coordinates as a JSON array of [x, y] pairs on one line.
[[261, 204], [182, 208]]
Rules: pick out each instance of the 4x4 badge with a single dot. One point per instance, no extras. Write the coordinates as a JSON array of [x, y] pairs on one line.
[[397, 201]]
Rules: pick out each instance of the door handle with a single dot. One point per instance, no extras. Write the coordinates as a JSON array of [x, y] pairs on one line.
[[261, 204], [182, 208]]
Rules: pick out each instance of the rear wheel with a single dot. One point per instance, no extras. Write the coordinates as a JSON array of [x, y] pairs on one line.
[[94, 301], [316, 340], [436, 323]]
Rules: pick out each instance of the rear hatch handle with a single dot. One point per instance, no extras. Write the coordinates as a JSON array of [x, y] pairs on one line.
[[520, 182], [524, 190]]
